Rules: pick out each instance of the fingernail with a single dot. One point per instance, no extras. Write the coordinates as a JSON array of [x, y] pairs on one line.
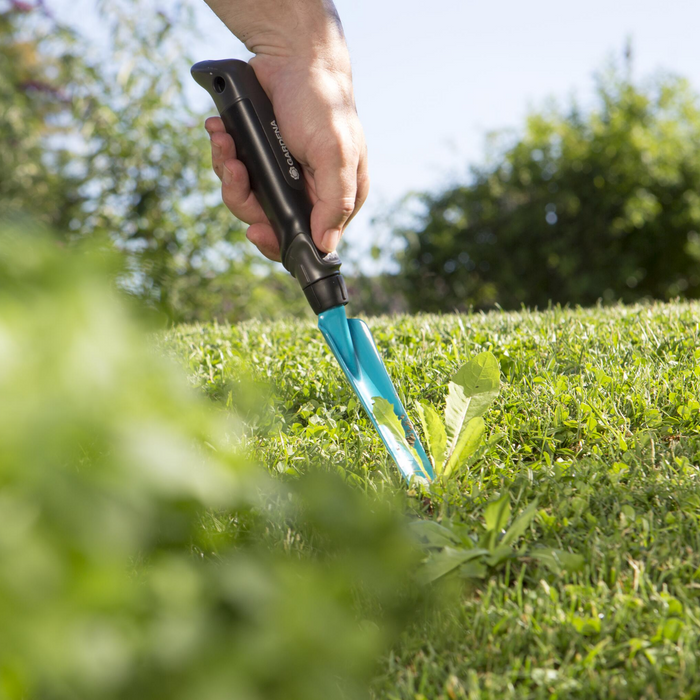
[[228, 176], [330, 239], [215, 149]]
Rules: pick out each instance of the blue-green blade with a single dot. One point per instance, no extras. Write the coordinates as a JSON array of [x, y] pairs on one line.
[[352, 344]]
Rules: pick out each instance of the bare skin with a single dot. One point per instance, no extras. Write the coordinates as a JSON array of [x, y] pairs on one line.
[[302, 62]]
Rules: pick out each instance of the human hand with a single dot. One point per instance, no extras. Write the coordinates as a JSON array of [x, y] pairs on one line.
[[313, 102]]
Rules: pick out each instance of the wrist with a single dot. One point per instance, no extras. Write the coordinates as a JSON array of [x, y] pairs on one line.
[[320, 63], [304, 30], [325, 81]]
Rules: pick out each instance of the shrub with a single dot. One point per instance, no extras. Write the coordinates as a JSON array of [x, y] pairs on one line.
[[583, 206]]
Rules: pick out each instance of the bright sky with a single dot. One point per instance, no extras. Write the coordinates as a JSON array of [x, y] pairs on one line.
[[432, 78]]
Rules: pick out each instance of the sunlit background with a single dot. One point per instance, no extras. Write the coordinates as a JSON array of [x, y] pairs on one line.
[[518, 154], [433, 79]]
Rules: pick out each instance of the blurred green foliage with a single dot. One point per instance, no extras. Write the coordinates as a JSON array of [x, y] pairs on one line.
[[97, 138], [141, 555], [585, 204]]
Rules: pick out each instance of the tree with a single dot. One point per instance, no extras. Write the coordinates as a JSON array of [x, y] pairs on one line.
[[36, 62], [584, 205], [100, 140]]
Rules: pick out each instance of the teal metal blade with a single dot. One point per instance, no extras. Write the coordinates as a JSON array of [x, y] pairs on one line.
[[353, 346]]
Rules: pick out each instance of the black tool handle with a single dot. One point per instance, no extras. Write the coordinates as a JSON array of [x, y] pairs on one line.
[[275, 177]]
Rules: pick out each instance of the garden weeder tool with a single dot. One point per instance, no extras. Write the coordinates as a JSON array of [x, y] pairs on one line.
[[277, 181]]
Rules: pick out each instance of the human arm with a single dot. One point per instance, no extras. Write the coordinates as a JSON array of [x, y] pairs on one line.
[[302, 62]]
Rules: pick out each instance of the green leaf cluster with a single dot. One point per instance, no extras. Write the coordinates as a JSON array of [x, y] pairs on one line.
[[472, 389], [449, 445], [451, 547]]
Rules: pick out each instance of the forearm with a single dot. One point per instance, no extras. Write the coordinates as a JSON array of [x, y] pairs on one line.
[[286, 28]]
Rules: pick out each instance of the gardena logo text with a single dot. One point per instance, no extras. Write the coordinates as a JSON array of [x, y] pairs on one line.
[[285, 150]]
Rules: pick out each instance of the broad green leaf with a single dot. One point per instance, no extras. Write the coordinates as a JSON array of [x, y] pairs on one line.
[[597, 649], [672, 629], [464, 533], [467, 443], [588, 626], [499, 555], [435, 436], [520, 524], [487, 540], [471, 390], [558, 560], [497, 513], [446, 560], [434, 535], [473, 569]]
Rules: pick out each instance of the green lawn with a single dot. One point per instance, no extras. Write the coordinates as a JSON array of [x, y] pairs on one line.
[[598, 418]]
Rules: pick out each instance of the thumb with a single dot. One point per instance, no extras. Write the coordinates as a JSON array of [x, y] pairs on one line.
[[335, 190]]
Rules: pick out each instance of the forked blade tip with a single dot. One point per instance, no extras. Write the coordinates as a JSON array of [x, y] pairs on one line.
[[351, 342]]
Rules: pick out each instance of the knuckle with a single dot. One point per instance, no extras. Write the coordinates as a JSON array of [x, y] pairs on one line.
[[346, 206], [342, 148], [228, 195], [348, 155]]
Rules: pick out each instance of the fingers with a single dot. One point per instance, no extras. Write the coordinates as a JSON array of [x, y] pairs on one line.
[[339, 187], [214, 124], [222, 145], [362, 183], [335, 190], [262, 236], [237, 195], [235, 183], [236, 192]]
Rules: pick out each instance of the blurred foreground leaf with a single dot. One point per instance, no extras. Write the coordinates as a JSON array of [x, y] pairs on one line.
[[140, 554]]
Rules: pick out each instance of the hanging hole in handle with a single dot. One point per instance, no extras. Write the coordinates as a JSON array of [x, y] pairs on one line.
[[219, 84]]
